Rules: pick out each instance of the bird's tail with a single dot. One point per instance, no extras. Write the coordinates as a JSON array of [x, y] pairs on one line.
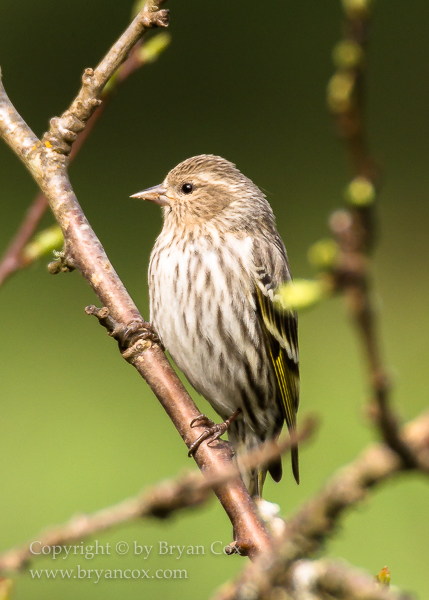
[[295, 462], [253, 478]]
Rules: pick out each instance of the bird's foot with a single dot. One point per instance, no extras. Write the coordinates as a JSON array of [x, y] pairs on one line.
[[138, 330], [213, 431]]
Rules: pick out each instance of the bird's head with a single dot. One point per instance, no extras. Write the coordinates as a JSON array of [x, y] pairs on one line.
[[204, 189]]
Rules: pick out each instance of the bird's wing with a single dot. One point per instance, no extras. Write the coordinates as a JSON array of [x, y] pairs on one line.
[[281, 329]]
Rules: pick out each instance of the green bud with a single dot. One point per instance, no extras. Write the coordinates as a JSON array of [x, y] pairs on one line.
[[5, 588], [347, 54], [110, 85], [136, 8], [323, 254], [360, 192], [383, 577], [43, 243], [149, 52], [357, 8], [340, 90], [302, 293], [154, 47]]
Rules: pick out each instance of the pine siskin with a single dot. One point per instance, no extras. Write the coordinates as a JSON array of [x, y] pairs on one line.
[[213, 276]]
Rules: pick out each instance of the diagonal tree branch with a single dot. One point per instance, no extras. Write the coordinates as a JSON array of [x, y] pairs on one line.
[[13, 258], [47, 161]]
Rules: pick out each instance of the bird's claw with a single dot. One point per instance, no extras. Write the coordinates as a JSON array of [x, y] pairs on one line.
[[138, 330], [204, 421], [213, 431]]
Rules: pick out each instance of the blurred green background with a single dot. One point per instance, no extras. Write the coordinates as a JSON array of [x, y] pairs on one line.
[[79, 429]]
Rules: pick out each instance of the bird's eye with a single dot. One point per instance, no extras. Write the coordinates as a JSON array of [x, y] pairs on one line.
[[187, 188]]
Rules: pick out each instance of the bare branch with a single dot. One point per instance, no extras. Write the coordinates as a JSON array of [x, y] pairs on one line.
[[47, 162], [16, 133], [64, 130]]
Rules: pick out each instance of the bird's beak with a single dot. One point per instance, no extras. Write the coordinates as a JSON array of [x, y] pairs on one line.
[[156, 194]]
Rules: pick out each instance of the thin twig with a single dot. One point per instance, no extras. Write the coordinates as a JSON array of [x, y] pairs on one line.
[[13, 259], [47, 161], [354, 228], [160, 501], [307, 531]]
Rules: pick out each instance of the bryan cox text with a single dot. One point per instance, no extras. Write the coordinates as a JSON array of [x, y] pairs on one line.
[[88, 551]]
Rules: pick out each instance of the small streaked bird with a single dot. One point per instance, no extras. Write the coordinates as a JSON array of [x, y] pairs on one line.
[[213, 276]]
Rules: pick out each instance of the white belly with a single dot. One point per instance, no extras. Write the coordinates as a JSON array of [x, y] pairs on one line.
[[202, 308]]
